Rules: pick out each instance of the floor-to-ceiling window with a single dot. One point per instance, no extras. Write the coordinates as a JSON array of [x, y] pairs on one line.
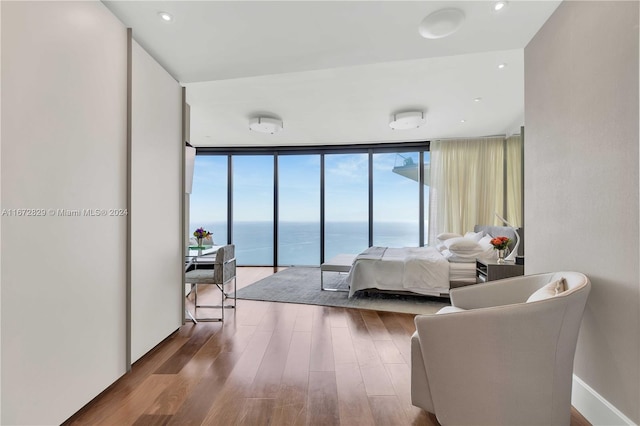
[[253, 201], [299, 209], [346, 178], [426, 175], [396, 199], [325, 200], [208, 206]]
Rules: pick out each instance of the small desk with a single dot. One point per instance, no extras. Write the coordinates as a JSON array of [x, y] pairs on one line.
[[339, 263], [196, 251]]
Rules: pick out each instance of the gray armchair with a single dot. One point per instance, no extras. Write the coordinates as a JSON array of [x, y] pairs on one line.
[[501, 355], [222, 273]]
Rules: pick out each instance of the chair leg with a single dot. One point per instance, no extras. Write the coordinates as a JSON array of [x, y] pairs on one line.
[[221, 319]]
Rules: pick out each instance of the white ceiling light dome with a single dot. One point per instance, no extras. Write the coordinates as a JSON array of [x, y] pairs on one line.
[[441, 23], [407, 120], [498, 6], [165, 16], [265, 124]]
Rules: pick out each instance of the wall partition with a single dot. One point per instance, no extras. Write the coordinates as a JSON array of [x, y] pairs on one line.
[[293, 206], [64, 162]]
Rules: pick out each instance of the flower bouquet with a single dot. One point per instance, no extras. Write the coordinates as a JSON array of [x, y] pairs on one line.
[[201, 234], [501, 244]]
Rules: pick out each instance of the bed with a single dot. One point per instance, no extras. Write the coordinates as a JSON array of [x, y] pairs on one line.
[[431, 271]]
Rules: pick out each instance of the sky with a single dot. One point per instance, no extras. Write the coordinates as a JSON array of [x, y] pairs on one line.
[[395, 197]]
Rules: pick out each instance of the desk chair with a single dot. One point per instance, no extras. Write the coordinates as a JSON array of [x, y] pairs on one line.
[[223, 272]]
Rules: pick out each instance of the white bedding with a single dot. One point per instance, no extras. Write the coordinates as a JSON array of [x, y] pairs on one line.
[[421, 270], [462, 272]]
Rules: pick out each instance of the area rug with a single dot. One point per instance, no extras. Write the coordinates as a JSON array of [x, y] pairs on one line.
[[302, 285]]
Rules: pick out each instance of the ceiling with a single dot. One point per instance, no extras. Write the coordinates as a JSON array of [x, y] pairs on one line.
[[335, 71]]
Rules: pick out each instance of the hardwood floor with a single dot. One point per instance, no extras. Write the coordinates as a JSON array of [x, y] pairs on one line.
[[272, 363]]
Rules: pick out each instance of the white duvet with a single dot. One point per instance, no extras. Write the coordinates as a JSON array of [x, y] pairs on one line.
[[420, 270]]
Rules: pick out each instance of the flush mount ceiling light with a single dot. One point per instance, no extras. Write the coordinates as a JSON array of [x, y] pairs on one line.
[[265, 124], [165, 16], [501, 66], [407, 120], [441, 23]]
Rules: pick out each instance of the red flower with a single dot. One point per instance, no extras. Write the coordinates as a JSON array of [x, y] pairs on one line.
[[500, 243]]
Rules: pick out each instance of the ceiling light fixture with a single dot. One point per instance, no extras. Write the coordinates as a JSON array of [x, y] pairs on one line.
[[407, 120], [165, 16], [463, 121], [441, 23], [265, 124], [499, 5], [477, 100], [502, 66]]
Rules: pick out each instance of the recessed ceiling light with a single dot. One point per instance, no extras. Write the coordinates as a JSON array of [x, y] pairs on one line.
[[165, 16], [477, 100], [499, 5], [441, 23], [502, 66]]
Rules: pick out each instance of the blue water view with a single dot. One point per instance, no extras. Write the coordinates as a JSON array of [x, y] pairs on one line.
[[299, 242]]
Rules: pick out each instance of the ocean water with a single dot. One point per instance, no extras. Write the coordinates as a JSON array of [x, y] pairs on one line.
[[299, 242]]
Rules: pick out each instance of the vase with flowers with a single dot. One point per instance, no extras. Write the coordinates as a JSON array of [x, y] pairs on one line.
[[501, 244], [201, 234]]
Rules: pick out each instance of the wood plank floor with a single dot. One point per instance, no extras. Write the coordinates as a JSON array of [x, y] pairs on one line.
[[272, 363]]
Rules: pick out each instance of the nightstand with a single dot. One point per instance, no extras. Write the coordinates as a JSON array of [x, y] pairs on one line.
[[491, 271]]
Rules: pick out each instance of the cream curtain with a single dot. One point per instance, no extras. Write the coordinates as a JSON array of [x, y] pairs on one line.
[[467, 181], [514, 180]]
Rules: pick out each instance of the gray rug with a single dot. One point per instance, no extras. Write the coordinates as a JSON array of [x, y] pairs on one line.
[[302, 285]]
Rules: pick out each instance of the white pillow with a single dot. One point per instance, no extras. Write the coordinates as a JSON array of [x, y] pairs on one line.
[[462, 257], [475, 236], [485, 242], [449, 310], [462, 244], [552, 289], [447, 235]]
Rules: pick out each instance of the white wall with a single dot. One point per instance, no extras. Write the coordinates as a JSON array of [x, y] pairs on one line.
[[157, 258], [63, 147], [582, 181]]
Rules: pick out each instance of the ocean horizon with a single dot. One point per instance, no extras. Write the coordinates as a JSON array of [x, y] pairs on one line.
[[299, 242]]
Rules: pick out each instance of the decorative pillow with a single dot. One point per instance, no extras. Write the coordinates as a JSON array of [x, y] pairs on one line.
[[462, 244], [552, 289], [475, 236]]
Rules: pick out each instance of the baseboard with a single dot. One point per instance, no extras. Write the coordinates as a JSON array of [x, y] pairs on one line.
[[597, 410]]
